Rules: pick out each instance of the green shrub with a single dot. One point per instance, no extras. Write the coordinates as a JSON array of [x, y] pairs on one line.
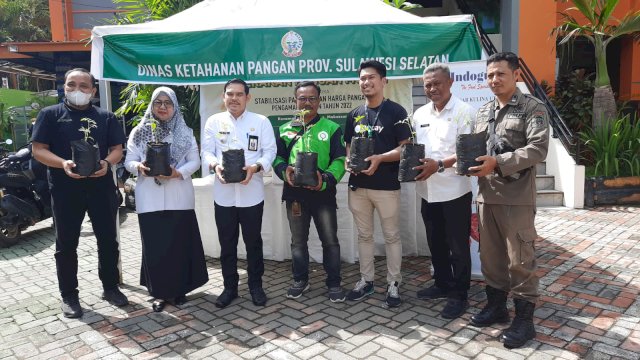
[[574, 98], [613, 149]]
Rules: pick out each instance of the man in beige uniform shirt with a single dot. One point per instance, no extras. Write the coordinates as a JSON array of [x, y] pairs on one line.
[[517, 129]]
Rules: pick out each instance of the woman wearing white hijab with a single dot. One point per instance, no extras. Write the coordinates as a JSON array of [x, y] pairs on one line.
[[173, 261]]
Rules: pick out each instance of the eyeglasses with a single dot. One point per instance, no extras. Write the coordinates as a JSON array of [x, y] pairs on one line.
[[166, 103], [304, 99]]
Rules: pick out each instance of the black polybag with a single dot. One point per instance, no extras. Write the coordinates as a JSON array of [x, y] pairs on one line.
[[306, 168], [468, 148], [86, 156], [409, 158], [361, 148], [232, 164], [158, 159]]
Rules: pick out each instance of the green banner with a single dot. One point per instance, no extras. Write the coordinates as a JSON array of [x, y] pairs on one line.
[[285, 54]]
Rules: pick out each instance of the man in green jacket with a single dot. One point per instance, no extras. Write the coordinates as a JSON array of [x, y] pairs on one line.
[[324, 137]]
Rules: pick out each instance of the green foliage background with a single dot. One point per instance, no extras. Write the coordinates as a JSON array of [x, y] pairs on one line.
[[24, 20]]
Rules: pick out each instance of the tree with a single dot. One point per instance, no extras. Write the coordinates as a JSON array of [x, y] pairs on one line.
[[136, 97], [402, 4], [140, 11], [600, 29], [24, 20]]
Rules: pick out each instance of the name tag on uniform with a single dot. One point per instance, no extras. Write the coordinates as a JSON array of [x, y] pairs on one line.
[[253, 143], [424, 125]]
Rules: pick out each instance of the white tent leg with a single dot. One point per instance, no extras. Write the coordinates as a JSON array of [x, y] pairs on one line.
[[105, 103]]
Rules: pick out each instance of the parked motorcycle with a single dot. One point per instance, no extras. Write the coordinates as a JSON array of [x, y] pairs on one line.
[[130, 193], [24, 194]]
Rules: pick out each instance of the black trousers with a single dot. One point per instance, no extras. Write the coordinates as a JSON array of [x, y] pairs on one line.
[[229, 219], [448, 225], [70, 200]]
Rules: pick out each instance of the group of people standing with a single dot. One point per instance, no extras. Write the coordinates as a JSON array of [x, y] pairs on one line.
[[173, 262]]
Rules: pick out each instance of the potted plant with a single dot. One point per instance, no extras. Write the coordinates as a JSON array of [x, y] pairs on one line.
[[233, 160], [306, 166], [410, 154], [85, 152], [158, 153], [613, 149], [468, 148], [362, 146]]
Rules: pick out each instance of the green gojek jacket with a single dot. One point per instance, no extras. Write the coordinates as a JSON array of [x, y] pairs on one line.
[[322, 136]]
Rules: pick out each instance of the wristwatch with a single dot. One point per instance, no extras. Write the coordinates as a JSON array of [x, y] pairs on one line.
[[259, 166], [440, 166]]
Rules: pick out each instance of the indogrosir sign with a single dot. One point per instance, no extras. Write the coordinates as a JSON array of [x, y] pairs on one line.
[[470, 82]]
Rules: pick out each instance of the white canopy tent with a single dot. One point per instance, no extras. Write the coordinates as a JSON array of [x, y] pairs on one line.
[[269, 40], [283, 41]]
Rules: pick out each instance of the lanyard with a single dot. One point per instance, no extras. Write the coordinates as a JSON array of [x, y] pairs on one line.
[[375, 121]]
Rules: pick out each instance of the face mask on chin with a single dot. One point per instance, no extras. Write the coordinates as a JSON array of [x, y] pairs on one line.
[[78, 98]]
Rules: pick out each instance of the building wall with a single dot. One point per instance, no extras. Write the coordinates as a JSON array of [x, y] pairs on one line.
[[535, 45], [72, 20]]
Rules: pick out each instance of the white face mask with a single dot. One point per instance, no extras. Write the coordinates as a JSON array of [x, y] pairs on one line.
[[78, 98]]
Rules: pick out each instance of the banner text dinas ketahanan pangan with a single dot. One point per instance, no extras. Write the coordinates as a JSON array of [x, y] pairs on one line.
[[289, 66]]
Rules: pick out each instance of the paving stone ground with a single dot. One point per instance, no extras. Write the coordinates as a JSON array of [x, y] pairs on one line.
[[589, 261]]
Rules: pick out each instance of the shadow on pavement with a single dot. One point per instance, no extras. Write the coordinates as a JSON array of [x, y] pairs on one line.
[[588, 308]]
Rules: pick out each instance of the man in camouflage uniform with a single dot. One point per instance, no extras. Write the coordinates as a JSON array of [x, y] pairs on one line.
[[517, 129]]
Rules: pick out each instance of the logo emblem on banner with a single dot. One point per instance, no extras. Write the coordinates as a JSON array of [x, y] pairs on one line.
[[291, 44]]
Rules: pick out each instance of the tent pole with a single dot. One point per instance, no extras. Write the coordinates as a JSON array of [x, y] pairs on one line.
[[105, 103], [105, 94]]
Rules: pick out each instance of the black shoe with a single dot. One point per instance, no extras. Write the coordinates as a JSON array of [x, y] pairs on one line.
[[363, 288], [393, 295], [336, 294], [522, 328], [158, 305], [226, 298], [431, 293], [495, 311], [297, 289], [258, 297], [454, 308], [115, 297], [71, 308], [180, 300]]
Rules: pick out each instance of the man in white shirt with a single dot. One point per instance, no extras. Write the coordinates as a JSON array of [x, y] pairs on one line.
[[446, 197], [239, 205]]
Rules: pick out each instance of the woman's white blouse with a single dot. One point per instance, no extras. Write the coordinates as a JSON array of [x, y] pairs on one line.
[[173, 194]]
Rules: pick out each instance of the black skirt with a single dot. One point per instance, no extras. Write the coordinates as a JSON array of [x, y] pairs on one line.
[[173, 261]]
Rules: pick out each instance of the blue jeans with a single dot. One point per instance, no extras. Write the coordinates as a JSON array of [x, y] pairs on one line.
[[325, 218]]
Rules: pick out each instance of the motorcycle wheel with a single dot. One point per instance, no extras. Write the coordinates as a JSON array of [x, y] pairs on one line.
[[9, 237], [130, 202]]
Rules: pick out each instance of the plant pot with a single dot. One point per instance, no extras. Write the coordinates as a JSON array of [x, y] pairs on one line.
[[86, 156], [410, 156], [468, 148], [612, 191], [232, 164], [157, 159], [306, 169], [361, 148]]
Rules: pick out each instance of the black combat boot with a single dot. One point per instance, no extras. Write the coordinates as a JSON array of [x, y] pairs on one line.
[[521, 329], [495, 311]]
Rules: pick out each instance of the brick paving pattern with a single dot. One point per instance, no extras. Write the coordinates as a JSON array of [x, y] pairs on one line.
[[589, 309]]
